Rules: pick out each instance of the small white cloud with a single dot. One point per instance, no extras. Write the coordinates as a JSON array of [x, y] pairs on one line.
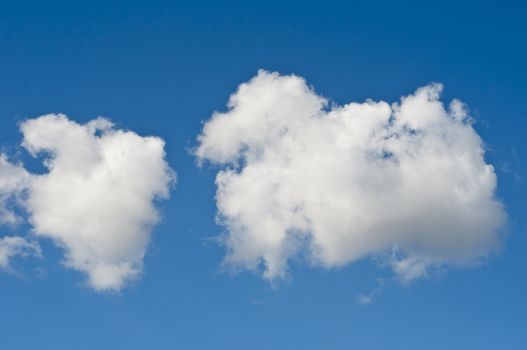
[[13, 246], [13, 181], [343, 183], [364, 299], [96, 201]]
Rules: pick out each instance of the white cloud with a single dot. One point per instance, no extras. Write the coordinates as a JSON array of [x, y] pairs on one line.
[[13, 180], [341, 183], [97, 200], [365, 299], [12, 246]]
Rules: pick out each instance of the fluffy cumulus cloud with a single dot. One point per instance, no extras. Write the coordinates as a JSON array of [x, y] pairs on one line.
[[97, 199], [406, 182]]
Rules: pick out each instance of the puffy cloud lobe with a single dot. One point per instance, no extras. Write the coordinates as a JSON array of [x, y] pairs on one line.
[[12, 246], [406, 181], [97, 200]]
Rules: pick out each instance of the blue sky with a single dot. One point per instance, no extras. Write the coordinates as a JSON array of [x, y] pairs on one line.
[[161, 69]]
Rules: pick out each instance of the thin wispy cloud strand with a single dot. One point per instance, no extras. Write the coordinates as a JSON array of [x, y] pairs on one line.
[[406, 182], [15, 246], [97, 198]]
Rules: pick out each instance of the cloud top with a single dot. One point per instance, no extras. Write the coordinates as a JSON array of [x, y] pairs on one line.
[[406, 181]]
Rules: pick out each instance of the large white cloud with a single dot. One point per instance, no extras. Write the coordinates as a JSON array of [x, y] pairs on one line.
[[406, 182], [97, 200]]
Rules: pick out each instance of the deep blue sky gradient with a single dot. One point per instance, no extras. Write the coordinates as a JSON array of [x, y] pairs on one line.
[[161, 68]]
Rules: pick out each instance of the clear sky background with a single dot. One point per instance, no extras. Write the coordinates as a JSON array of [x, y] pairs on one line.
[[162, 68]]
